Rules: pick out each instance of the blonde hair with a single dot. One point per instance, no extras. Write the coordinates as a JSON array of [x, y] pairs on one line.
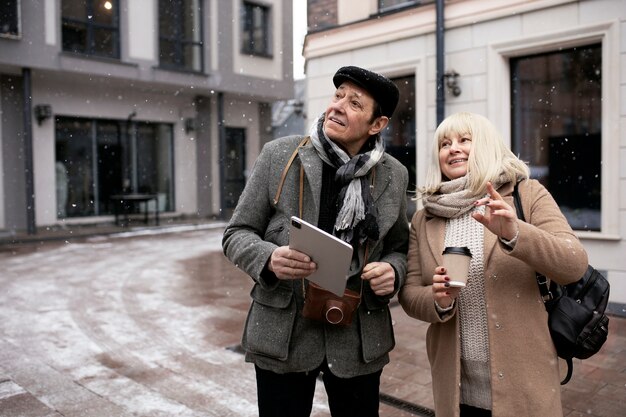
[[489, 157]]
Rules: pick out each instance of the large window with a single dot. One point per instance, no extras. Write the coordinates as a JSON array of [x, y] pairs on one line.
[[256, 33], [399, 135], [91, 27], [9, 17], [556, 127], [389, 5], [180, 34], [96, 159]]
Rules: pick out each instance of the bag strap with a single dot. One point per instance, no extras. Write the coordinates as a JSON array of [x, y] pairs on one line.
[[302, 143], [546, 288], [548, 293]]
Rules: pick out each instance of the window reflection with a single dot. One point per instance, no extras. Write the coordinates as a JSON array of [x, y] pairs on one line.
[[90, 27], [180, 34], [556, 120], [96, 159], [389, 5], [9, 18], [256, 29], [399, 135]]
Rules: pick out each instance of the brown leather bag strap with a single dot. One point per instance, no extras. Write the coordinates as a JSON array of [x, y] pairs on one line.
[[301, 198], [286, 169]]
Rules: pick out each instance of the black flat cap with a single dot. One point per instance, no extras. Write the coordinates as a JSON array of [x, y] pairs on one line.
[[380, 87]]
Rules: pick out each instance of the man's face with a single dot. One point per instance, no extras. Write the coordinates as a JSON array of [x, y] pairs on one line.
[[348, 118]]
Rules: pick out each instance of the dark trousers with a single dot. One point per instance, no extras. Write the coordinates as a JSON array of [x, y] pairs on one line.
[[469, 411], [292, 394]]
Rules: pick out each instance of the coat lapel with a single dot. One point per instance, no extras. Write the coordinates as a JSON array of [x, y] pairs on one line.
[[435, 234], [381, 180]]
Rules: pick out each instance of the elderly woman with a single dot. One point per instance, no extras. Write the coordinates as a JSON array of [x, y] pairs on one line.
[[488, 344]]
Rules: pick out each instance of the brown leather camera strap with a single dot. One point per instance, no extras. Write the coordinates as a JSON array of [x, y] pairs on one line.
[[286, 169]]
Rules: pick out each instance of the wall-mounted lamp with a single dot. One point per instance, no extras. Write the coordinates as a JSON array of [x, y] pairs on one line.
[[190, 125], [451, 77], [42, 112]]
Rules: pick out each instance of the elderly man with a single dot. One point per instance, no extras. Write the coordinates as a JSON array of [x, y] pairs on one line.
[[339, 178]]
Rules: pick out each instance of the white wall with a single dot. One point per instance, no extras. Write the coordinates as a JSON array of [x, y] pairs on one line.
[[258, 66], [479, 40], [347, 12], [237, 114], [142, 34]]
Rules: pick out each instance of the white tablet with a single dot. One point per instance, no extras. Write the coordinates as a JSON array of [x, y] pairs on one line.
[[331, 254]]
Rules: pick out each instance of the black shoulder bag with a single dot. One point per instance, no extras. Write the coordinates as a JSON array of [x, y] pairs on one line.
[[576, 318]]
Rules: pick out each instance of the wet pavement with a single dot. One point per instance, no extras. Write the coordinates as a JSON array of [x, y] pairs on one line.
[[148, 323]]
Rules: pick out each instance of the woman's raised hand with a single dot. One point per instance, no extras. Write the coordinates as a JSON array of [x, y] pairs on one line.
[[500, 218]]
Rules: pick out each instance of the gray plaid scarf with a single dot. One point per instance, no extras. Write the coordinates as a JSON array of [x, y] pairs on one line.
[[357, 217], [453, 199]]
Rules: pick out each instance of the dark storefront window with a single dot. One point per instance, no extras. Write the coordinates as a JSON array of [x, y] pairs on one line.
[[91, 27], [180, 34], [399, 135], [96, 159], [9, 17], [256, 34], [557, 127]]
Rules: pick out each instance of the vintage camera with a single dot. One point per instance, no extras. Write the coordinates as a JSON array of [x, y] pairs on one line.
[[324, 306]]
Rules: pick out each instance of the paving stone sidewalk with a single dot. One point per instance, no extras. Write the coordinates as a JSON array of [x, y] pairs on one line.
[[147, 323]]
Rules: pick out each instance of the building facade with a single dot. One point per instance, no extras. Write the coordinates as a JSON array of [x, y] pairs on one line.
[[550, 74], [166, 98]]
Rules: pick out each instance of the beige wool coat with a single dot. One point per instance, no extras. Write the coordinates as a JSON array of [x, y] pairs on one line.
[[525, 378]]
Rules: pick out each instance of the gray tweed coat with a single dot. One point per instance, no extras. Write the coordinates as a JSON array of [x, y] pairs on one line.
[[276, 336]]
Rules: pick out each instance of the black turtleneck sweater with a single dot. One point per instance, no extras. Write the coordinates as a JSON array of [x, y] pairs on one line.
[[328, 199]]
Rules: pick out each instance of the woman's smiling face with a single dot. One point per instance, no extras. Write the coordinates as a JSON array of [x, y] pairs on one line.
[[454, 151]]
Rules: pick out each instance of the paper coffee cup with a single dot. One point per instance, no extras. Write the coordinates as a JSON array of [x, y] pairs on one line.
[[456, 260]]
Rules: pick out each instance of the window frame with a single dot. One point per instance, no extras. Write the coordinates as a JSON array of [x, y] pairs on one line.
[[406, 151], [181, 41], [128, 137], [399, 5], [91, 26], [18, 23], [499, 102], [247, 34], [561, 139]]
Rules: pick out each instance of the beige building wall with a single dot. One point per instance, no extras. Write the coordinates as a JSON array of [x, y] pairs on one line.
[[83, 86], [113, 102], [480, 38], [255, 66]]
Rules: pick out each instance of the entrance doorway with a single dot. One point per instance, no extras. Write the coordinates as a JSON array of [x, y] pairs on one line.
[[234, 168]]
